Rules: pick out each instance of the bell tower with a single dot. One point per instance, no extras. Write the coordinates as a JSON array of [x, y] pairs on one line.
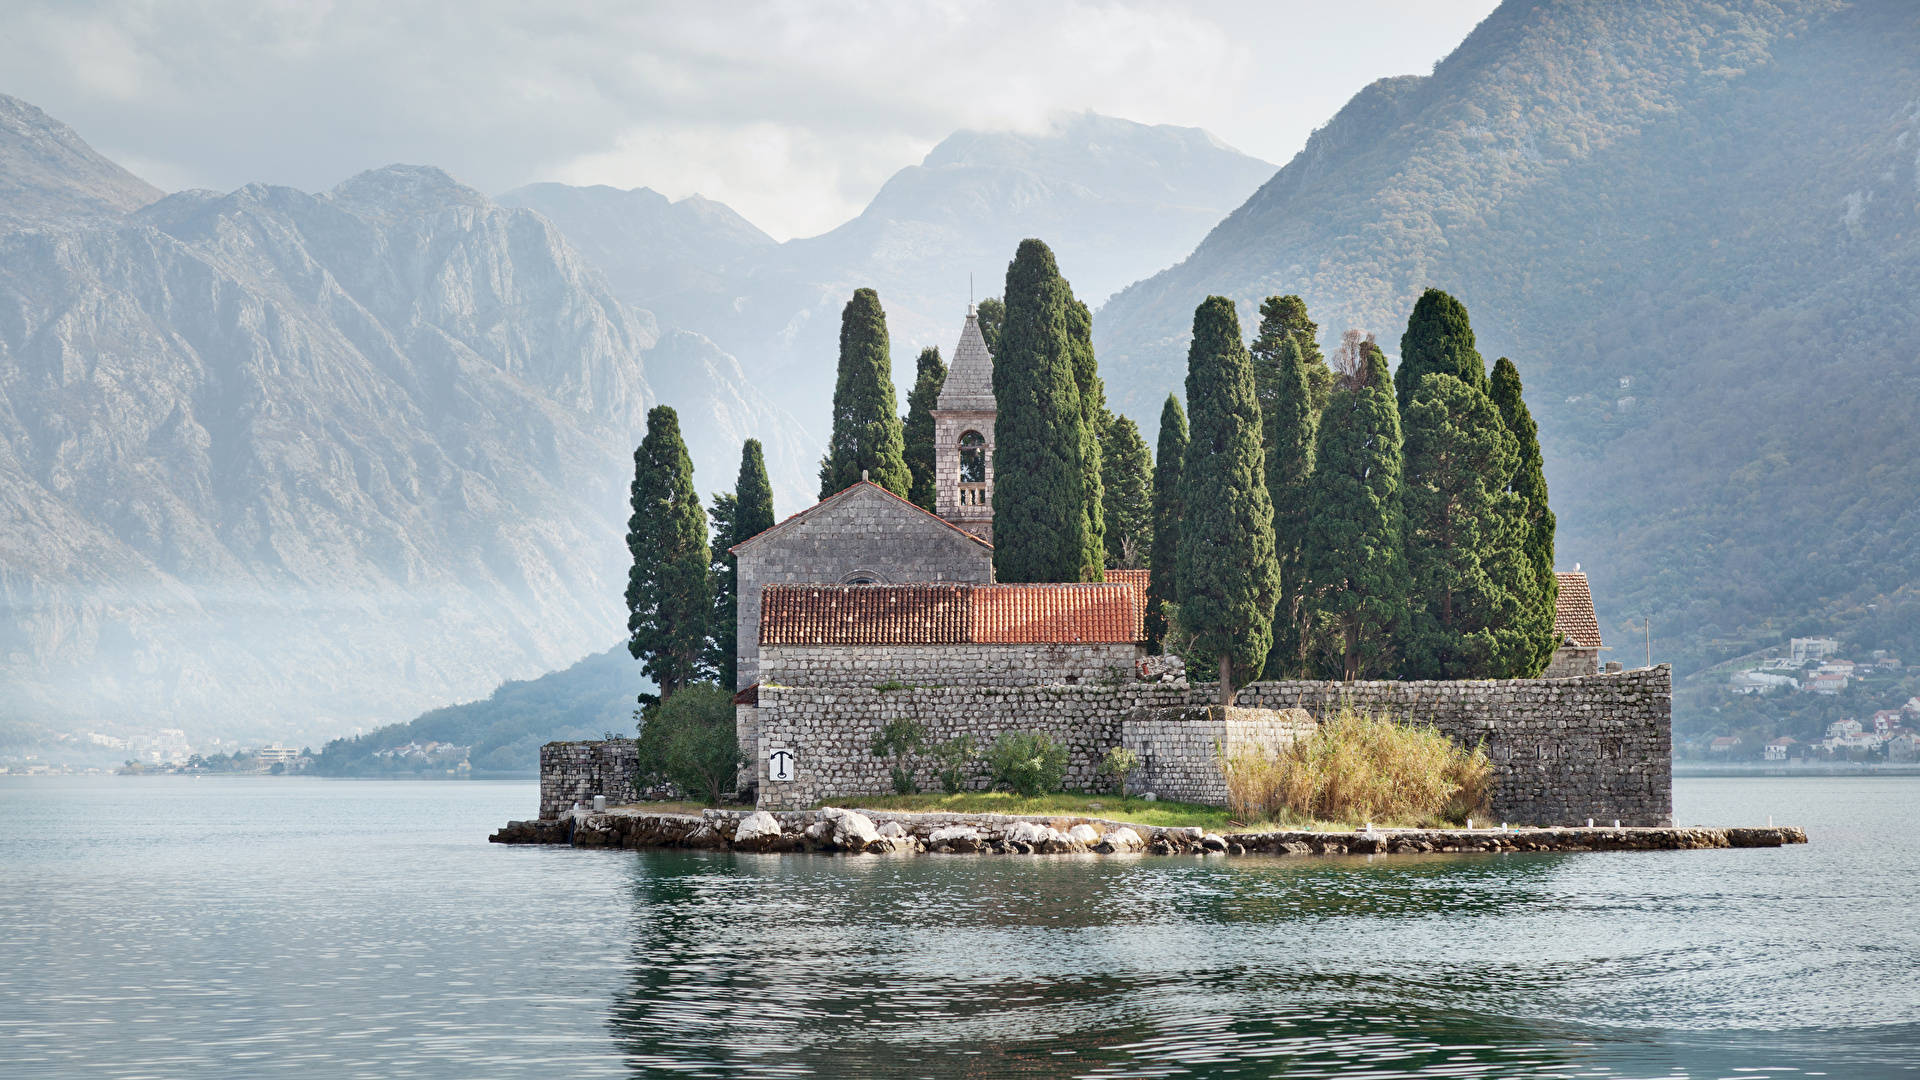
[[963, 436]]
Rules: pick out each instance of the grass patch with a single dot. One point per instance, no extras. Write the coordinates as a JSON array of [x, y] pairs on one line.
[[1165, 815], [1358, 768], [676, 807]]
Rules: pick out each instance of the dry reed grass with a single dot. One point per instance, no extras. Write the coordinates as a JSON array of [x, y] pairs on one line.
[[1359, 767]]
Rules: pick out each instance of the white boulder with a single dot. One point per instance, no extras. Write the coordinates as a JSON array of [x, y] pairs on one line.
[[1123, 839], [1084, 833], [757, 829]]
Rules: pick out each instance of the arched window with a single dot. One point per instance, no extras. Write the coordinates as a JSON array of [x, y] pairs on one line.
[[973, 458]]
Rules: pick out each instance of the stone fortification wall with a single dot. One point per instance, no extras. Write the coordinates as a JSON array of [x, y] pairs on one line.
[[1563, 750], [1571, 661], [1180, 748], [577, 771], [830, 731], [1001, 665]]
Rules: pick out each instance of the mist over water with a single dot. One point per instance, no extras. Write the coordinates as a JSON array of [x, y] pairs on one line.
[[242, 927]]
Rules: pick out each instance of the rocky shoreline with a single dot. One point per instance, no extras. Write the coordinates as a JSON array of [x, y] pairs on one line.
[[878, 832]]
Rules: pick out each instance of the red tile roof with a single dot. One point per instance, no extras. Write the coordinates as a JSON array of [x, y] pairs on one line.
[[1136, 578], [949, 614], [1573, 615], [793, 519]]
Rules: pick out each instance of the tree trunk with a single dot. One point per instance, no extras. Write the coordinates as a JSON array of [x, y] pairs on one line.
[[1226, 680]]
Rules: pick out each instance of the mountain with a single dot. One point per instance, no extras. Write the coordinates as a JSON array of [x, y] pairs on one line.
[[49, 174], [1116, 200], [278, 463], [504, 731], [1696, 229]]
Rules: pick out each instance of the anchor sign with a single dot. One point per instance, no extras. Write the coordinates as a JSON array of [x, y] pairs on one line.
[[780, 764]]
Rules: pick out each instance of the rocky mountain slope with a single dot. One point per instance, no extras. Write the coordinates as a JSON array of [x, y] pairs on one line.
[[49, 174], [1696, 228], [1115, 199], [280, 462]]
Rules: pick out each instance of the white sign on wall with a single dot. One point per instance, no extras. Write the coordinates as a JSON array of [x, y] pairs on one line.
[[780, 764]]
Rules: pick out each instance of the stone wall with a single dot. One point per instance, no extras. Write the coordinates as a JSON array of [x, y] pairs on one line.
[[1563, 750], [1180, 748], [577, 771], [1000, 665], [1571, 661]]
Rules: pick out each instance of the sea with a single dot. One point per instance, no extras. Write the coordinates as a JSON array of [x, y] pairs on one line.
[[281, 927]]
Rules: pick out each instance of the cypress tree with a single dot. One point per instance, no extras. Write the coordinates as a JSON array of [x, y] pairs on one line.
[[1228, 582], [1466, 570], [1288, 314], [669, 601], [1290, 426], [1039, 494], [738, 515], [1352, 567], [1127, 485], [866, 429], [992, 315], [1529, 486], [1438, 341], [1094, 421], [1163, 560], [929, 375]]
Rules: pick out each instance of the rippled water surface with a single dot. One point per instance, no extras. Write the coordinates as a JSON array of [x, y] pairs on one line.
[[168, 927]]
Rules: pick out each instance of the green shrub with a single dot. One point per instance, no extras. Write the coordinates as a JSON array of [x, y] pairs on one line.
[[688, 740], [1029, 763], [900, 740], [1119, 764], [955, 760], [1358, 767]]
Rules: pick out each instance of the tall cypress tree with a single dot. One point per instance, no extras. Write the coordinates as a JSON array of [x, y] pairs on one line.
[[1438, 341], [1163, 560], [1094, 420], [1039, 492], [1228, 581], [1529, 486], [738, 515], [669, 602], [929, 376], [1468, 581], [866, 429], [1288, 314], [1290, 426], [991, 313], [1127, 485], [1352, 565]]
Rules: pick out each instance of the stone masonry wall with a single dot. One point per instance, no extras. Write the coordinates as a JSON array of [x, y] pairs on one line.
[[1563, 750], [577, 771], [1180, 748], [947, 665]]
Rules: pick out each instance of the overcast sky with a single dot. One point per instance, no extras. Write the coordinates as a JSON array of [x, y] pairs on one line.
[[792, 113]]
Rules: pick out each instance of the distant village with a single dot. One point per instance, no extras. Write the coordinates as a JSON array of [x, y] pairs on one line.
[[168, 752], [1888, 732]]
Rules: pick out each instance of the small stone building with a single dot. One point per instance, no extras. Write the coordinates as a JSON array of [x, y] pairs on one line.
[[1577, 627]]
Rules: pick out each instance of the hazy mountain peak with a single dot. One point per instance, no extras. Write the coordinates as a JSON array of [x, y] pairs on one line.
[[401, 191], [49, 174]]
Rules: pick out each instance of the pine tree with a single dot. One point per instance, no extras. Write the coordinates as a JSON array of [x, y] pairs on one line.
[[1228, 581], [1164, 557], [1529, 486], [1438, 341], [992, 315], [1094, 421], [1127, 485], [1289, 314], [1039, 493], [929, 375], [738, 515], [669, 601], [1468, 580], [1290, 424], [866, 430], [1352, 566]]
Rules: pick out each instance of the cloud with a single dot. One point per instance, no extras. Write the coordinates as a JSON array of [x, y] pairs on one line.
[[793, 113]]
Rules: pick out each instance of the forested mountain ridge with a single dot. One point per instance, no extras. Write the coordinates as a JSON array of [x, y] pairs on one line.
[[1697, 231], [275, 463]]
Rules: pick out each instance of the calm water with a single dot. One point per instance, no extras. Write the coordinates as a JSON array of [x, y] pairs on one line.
[[169, 927]]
